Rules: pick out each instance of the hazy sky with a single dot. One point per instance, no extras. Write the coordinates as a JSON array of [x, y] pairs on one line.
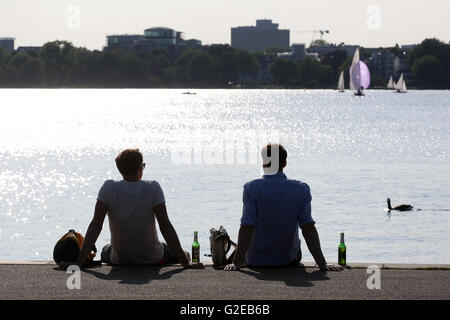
[[370, 23]]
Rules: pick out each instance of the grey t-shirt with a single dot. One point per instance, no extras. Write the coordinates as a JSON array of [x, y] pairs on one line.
[[134, 238]]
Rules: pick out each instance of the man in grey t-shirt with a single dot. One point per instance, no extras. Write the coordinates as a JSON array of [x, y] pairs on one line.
[[132, 206]]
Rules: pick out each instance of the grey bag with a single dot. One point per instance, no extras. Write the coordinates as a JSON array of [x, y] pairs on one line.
[[220, 244]]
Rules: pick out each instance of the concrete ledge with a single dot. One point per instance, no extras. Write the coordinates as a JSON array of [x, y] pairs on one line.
[[26, 262], [356, 265], [46, 281]]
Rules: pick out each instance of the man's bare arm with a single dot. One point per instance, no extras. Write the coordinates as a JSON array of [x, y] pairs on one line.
[[311, 236], [244, 239], [171, 237], [94, 229]]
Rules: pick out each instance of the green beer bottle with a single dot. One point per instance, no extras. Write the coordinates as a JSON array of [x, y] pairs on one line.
[[342, 250], [195, 248]]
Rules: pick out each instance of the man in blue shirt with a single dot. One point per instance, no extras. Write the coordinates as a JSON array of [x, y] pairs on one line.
[[274, 208]]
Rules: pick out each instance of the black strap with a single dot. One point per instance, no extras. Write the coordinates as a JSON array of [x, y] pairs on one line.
[[228, 244]]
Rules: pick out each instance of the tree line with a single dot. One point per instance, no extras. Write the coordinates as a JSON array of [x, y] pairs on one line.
[[60, 64], [428, 65]]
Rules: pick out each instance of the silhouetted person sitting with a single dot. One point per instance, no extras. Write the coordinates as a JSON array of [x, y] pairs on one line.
[[274, 207], [132, 206]]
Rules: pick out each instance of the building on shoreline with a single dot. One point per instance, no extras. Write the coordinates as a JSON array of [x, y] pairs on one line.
[[7, 44], [298, 52], [322, 50], [122, 41], [386, 64], [29, 49], [153, 38], [258, 38], [408, 47]]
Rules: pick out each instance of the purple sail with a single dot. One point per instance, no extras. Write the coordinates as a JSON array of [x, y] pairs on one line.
[[360, 75]]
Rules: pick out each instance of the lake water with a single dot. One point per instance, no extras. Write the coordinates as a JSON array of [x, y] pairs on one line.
[[58, 146]]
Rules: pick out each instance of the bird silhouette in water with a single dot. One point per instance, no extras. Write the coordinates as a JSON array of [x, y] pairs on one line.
[[402, 207]]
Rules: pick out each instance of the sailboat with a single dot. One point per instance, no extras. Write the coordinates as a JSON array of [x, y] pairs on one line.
[[341, 86], [390, 84], [359, 75], [400, 86]]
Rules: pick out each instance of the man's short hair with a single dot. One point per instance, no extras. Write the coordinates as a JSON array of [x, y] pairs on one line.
[[266, 154], [129, 161]]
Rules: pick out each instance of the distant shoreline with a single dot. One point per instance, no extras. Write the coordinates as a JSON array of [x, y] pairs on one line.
[[224, 88]]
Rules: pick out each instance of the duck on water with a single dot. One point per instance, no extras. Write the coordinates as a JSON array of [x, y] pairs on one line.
[[402, 207]]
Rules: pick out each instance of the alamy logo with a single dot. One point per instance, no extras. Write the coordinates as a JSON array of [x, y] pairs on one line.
[[74, 17], [373, 21], [374, 281], [215, 147], [74, 280]]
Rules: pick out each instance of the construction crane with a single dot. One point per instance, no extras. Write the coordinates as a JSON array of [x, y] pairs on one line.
[[322, 32]]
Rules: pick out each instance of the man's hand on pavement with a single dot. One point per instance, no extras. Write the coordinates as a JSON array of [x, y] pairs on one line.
[[231, 267], [330, 267]]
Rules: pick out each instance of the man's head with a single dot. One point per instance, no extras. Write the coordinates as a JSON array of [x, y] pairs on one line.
[[130, 164], [274, 157]]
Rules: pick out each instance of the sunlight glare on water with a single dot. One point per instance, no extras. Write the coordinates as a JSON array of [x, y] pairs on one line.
[[58, 147]]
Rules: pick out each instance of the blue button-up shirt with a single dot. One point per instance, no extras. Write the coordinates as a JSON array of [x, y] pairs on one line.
[[277, 207]]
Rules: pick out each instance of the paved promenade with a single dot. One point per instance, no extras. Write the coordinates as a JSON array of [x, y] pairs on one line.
[[46, 281]]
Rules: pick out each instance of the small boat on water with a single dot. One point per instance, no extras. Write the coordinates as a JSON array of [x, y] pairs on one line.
[[359, 92], [400, 86], [359, 75], [390, 84], [341, 86], [187, 92]]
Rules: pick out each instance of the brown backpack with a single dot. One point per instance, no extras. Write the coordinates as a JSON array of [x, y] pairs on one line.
[[68, 248]]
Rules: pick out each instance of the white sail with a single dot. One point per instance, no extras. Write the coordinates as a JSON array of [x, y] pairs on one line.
[[404, 86], [341, 85], [352, 87], [390, 84], [399, 84], [355, 57], [354, 62]]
